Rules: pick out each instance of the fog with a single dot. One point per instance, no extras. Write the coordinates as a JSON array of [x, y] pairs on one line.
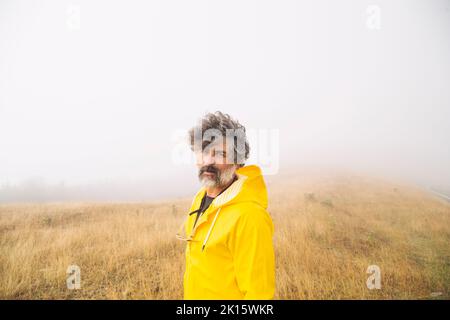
[[93, 94]]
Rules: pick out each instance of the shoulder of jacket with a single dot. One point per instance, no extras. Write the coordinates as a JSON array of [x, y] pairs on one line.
[[251, 210], [251, 216]]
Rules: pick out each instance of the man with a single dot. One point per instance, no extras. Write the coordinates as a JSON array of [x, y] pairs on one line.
[[229, 252]]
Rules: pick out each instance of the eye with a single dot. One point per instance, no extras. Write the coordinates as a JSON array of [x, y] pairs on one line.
[[221, 153]]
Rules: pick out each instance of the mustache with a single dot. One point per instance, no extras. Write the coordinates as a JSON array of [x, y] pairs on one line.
[[209, 168]]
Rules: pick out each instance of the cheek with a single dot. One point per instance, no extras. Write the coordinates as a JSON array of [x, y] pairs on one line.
[[224, 167], [199, 160]]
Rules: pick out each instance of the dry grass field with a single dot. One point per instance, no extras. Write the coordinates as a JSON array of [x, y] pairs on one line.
[[329, 229]]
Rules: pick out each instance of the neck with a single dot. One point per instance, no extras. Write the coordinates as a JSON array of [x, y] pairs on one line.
[[215, 191]]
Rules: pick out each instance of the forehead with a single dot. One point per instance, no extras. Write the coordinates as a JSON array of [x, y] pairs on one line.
[[219, 145]]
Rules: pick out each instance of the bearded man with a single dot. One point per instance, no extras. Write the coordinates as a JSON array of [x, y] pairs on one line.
[[229, 250]]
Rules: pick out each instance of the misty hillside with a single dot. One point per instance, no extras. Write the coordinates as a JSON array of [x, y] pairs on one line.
[[328, 229]]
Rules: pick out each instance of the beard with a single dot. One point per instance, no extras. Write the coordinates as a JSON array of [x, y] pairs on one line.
[[218, 179]]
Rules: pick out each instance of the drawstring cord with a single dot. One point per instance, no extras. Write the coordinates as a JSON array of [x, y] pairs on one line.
[[210, 229]]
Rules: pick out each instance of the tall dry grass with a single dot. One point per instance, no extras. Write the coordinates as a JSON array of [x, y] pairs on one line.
[[329, 229]]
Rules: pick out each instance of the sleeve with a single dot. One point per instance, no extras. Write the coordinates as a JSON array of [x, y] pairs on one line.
[[251, 246]]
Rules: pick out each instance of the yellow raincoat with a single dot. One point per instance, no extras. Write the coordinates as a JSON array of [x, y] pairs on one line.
[[231, 254]]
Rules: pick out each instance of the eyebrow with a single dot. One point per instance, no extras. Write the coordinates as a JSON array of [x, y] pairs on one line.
[[210, 144]]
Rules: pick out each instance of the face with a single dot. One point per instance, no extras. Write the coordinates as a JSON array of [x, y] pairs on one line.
[[214, 170]]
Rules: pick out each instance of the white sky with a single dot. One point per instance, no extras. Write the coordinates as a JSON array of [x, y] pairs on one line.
[[101, 102]]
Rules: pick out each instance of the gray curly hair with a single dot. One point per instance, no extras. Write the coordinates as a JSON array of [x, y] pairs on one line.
[[220, 125]]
